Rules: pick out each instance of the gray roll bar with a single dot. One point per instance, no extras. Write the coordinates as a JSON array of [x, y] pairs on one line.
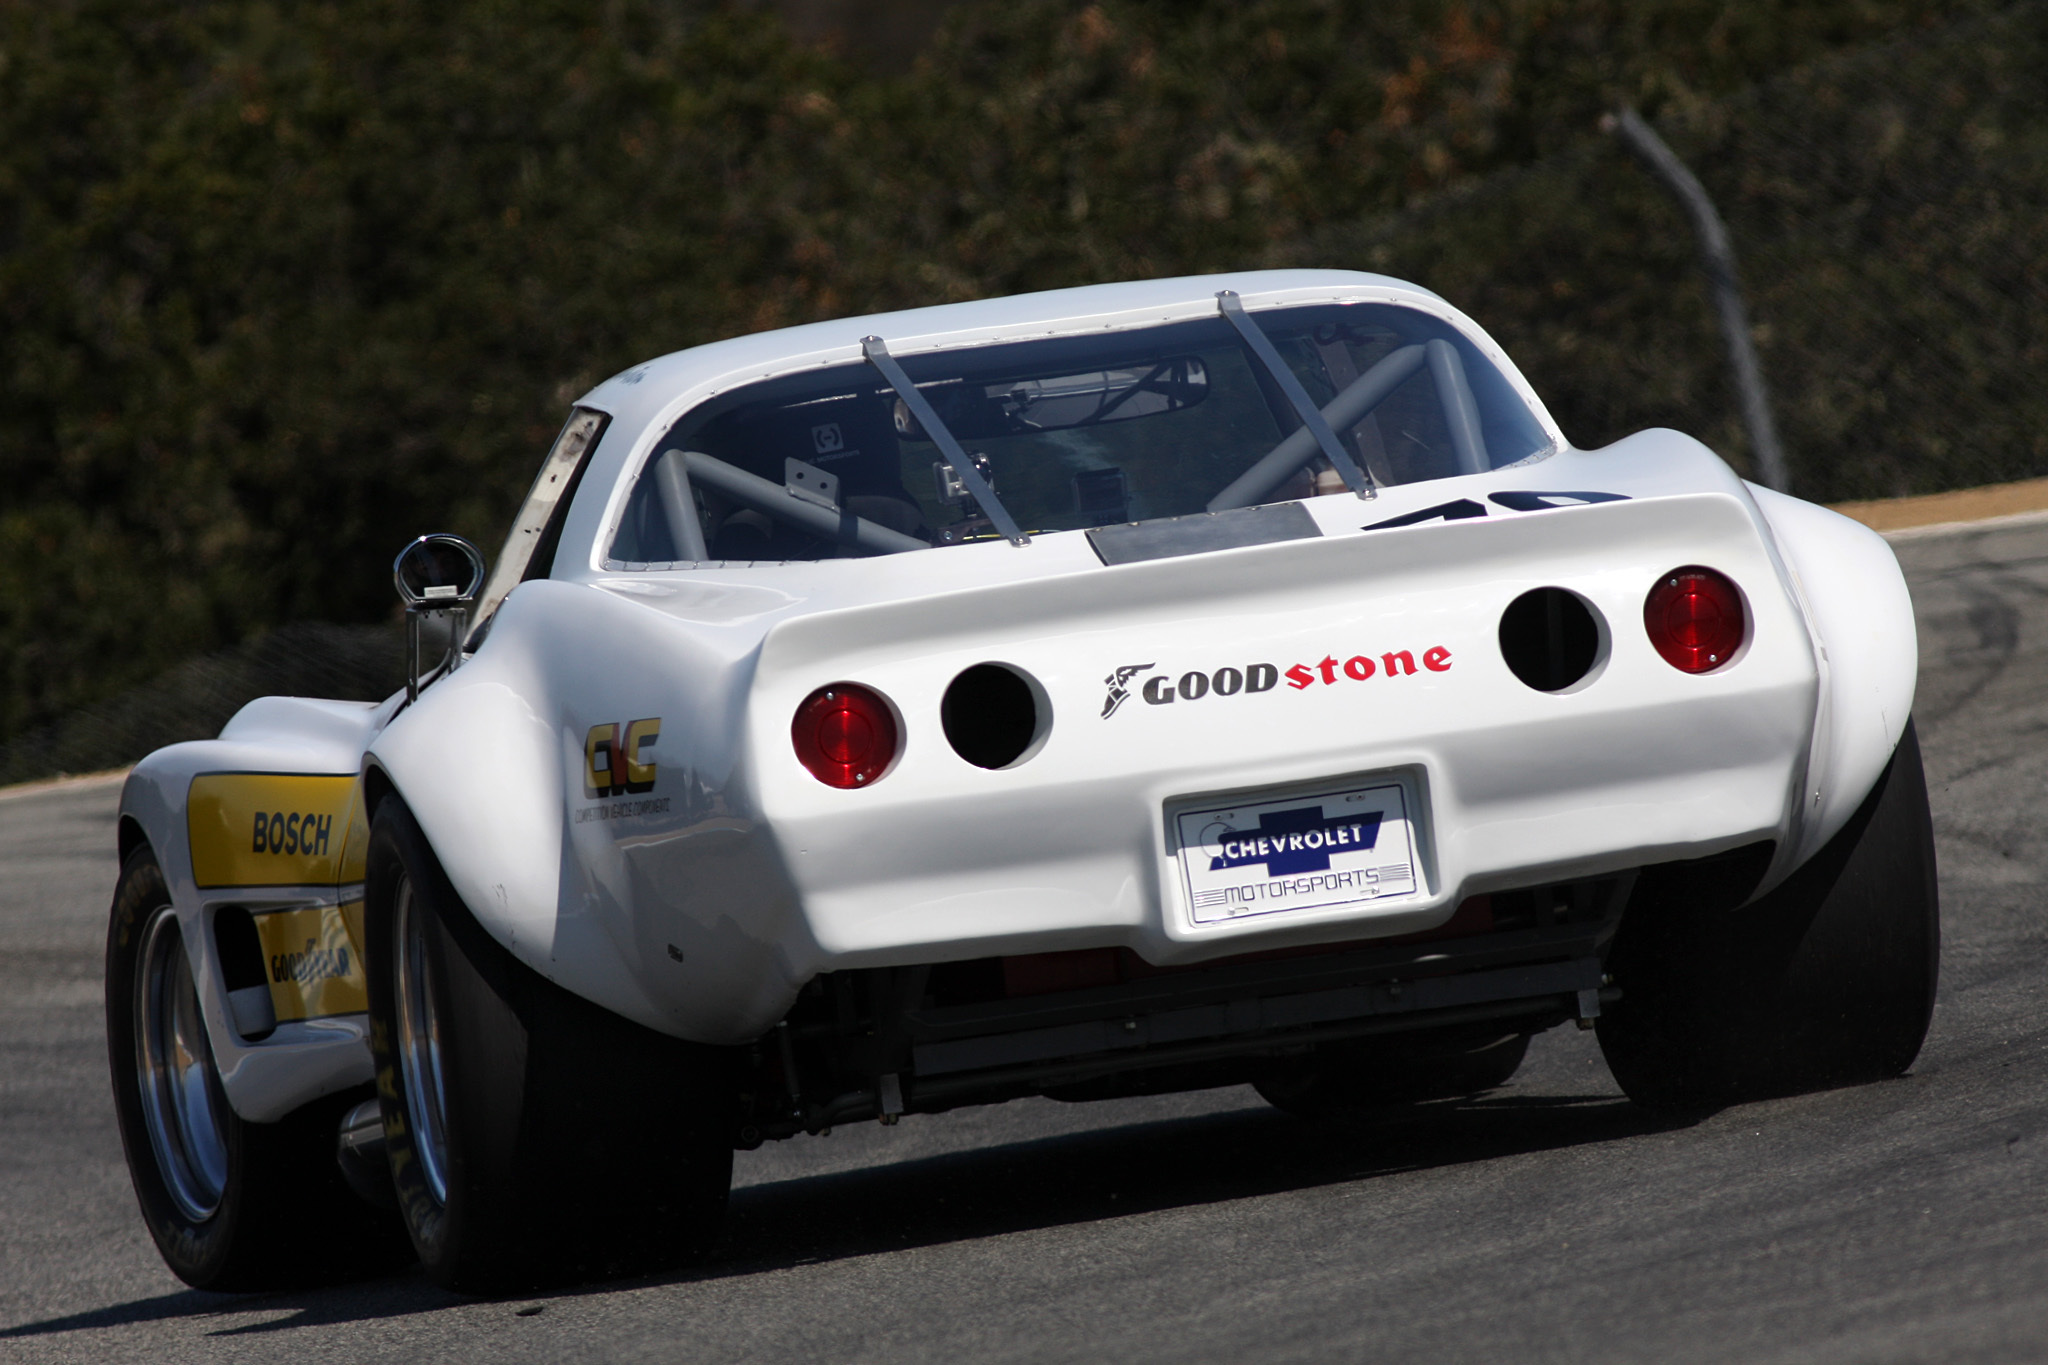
[[672, 486], [1347, 409], [775, 500], [877, 352], [1333, 450], [1461, 414]]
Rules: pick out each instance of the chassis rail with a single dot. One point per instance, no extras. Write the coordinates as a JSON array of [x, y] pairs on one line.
[[882, 1042]]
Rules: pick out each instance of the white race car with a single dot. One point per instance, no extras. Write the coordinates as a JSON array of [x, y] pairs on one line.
[[1106, 691]]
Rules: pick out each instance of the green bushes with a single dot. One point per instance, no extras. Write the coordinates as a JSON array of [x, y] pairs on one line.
[[284, 284], [1888, 203]]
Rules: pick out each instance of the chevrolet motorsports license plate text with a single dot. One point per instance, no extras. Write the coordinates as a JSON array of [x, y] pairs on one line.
[[1304, 853]]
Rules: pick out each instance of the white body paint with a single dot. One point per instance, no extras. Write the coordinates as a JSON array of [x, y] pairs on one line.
[[704, 915]]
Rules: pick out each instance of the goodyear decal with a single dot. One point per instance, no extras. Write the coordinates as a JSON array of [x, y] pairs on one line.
[[313, 958], [268, 829]]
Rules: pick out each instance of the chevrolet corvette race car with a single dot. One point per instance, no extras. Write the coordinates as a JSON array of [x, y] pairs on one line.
[[1089, 693]]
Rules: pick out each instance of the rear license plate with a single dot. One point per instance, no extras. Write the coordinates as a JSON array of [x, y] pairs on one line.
[[1316, 852]]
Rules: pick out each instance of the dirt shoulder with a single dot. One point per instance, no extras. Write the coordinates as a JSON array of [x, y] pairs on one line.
[[1960, 505]]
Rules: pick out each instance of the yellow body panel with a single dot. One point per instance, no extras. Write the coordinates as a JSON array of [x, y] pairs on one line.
[[355, 850], [268, 829], [313, 959]]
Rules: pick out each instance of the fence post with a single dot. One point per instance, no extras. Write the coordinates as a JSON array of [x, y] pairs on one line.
[[1717, 257]]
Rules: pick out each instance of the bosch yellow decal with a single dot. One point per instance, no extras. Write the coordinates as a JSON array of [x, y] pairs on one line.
[[313, 959], [356, 847], [267, 829], [616, 766]]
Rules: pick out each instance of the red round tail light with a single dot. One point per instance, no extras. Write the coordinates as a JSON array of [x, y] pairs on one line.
[[1695, 619], [845, 734]]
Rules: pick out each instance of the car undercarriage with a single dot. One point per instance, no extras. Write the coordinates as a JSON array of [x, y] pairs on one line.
[[877, 1043]]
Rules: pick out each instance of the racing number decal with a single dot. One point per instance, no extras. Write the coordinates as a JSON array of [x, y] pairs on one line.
[[267, 829], [612, 763]]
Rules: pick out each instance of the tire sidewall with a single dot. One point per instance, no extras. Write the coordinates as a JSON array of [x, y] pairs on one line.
[[580, 1144], [393, 858], [1829, 979], [200, 1253]]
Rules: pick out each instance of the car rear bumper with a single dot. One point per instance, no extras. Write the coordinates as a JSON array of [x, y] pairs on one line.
[[1077, 846]]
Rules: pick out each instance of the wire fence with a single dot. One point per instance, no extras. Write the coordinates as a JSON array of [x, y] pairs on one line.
[[195, 699], [1890, 210]]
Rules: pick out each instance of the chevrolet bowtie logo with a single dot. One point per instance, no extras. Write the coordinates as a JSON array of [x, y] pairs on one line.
[[1289, 842]]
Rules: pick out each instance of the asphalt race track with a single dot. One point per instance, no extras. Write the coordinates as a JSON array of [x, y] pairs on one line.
[[1548, 1221]]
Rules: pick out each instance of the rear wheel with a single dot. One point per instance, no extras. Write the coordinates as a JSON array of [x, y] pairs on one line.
[[232, 1205], [534, 1138], [1829, 980]]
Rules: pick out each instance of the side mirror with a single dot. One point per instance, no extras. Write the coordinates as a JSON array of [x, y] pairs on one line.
[[438, 575]]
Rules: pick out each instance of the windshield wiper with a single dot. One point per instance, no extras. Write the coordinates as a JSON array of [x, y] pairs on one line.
[[1356, 479], [877, 353]]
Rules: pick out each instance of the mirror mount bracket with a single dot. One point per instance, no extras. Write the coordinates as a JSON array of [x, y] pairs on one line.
[[438, 575]]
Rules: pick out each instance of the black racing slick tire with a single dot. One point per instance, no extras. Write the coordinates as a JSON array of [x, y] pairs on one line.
[[232, 1205], [534, 1138], [1828, 980]]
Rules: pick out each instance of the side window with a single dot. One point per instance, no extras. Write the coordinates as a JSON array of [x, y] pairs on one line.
[[530, 550]]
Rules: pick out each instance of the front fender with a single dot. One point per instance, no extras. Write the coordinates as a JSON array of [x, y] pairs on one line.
[[271, 736]]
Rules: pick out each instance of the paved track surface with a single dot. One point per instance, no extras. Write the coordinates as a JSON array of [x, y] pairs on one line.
[[1548, 1221]]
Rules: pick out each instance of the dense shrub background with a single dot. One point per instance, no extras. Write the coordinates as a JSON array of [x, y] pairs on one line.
[[284, 284], [1891, 206]]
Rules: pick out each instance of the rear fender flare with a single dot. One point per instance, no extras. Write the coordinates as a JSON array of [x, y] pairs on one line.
[[695, 937], [1855, 598]]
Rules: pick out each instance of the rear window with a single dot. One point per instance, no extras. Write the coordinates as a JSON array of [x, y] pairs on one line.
[[1069, 433]]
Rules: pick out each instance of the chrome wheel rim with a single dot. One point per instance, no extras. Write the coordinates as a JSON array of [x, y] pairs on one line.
[[419, 1044], [182, 1104]]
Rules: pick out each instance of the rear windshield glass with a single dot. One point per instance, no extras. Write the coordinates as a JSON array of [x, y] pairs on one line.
[[1069, 433]]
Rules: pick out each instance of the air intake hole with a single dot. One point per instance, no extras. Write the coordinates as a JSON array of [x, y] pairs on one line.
[[990, 716], [1549, 638], [244, 973]]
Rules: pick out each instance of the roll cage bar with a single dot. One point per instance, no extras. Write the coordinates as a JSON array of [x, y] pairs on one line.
[[1317, 435]]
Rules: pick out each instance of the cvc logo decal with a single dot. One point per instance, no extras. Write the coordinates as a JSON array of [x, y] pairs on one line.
[[614, 758], [1162, 689]]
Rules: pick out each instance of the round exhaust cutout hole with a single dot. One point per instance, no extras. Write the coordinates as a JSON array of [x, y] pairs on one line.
[[1549, 638], [990, 715]]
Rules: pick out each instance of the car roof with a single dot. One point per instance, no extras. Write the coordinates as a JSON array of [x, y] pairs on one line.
[[638, 391], [645, 400]]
